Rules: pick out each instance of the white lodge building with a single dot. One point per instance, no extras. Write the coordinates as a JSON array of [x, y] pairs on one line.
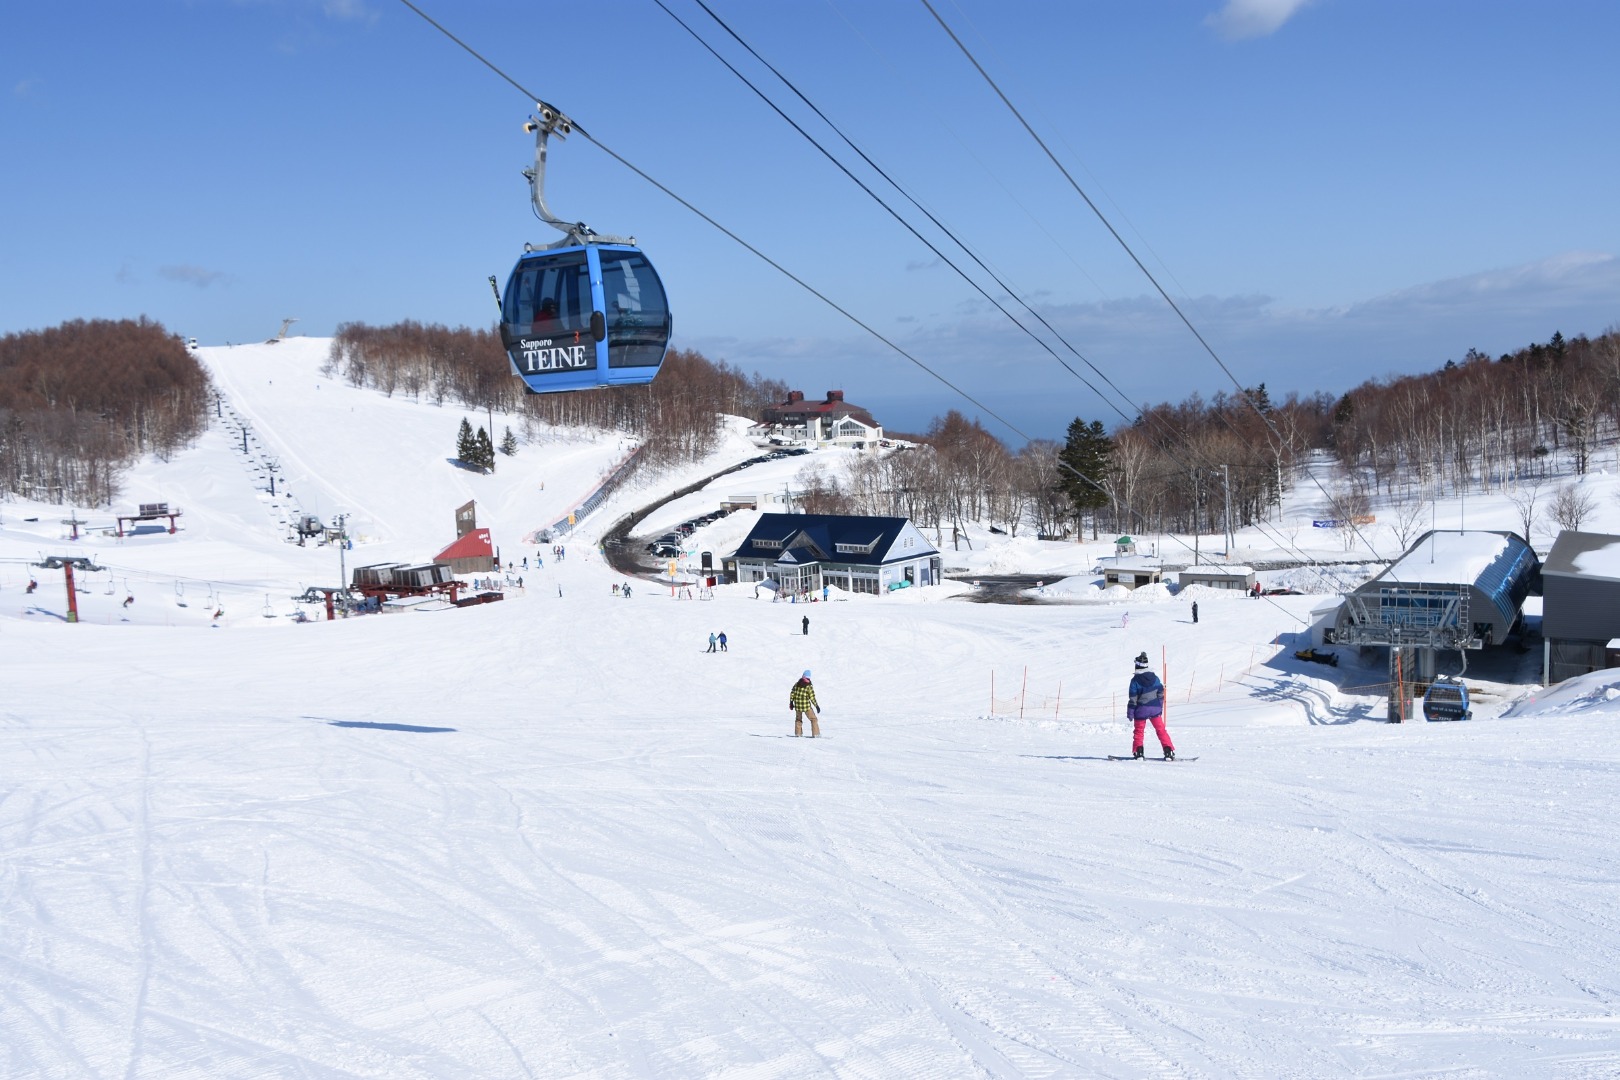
[[803, 552]]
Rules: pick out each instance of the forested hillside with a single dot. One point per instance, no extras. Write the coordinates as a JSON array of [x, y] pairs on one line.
[[81, 400]]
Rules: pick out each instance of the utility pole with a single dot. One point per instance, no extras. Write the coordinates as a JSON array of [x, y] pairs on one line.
[[343, 543], [271, 466], [1196, 503], [1226, 477], [244, 436]]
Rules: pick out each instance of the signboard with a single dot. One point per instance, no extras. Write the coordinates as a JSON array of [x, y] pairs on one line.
[[1339, 523]]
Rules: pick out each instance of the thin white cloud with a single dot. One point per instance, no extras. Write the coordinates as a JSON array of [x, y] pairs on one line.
[[193, 275], [348, 10], [1241, 19], [25, 87], [1570, 278]]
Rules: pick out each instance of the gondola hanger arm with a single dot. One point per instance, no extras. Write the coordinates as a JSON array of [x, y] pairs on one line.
[[546, 122]]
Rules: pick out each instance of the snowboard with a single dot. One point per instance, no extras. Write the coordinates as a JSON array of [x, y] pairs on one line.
[[1127, 757]]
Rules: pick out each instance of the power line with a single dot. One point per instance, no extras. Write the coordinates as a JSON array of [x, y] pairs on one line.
[[1168, 299], [1182, 436], [775, 264]]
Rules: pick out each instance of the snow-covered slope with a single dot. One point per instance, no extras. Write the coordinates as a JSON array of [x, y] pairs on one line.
[[551, 837]]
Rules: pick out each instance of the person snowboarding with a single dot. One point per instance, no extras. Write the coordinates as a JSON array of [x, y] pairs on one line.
[[712, 640], [1144, 703], [806, 626], [802, 700]]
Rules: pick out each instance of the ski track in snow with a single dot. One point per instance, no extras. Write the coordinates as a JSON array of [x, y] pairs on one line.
[[534, 838]]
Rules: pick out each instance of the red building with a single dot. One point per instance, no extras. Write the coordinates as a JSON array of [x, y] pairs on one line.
[[473, 553]]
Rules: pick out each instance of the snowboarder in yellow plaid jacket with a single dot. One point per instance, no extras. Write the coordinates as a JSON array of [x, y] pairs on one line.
[[802, 700]]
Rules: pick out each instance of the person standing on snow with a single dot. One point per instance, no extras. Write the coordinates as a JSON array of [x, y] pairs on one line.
[[1146, 702], [711, 643], [722, 641], [802, 700], [1195, 612], [806, 626]]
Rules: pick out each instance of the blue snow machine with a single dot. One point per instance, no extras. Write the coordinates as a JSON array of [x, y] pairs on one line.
[[1447, 699]]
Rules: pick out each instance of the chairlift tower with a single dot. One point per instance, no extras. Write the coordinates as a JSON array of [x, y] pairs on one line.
[[67, 564], [1466, 598]]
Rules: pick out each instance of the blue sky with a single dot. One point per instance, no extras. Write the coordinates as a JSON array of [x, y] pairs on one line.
[[1332, 190]]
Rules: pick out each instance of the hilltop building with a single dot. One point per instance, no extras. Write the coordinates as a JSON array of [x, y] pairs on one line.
[[833, 421]]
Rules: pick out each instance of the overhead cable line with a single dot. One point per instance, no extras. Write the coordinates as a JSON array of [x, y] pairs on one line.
[[1140, 414], [909, 198], [910, 228], [711, 221], [1168, 299], [773, 263]]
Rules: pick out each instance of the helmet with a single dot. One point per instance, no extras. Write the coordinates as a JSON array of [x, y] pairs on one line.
[[1141, 661]]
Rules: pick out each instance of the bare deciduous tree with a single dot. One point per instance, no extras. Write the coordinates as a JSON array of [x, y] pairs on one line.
[[1524, 497], [1572, 505]]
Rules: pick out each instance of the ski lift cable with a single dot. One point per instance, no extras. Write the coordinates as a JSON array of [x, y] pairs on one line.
[[717, 225], [969, 150], [1097, 184], [761, 255], [909, 198], [1157, 422], [1123, 243]]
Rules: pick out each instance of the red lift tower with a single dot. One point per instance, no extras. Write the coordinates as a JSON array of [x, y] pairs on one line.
[[67, 564]]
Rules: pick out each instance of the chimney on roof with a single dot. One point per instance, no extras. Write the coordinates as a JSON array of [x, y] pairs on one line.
[[835, 395], [795, 395]]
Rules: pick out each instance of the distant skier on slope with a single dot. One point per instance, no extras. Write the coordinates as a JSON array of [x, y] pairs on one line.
[[802, 700], [1146, 702]]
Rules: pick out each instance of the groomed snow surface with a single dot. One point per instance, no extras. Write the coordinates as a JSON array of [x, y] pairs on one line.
[[552, 837]]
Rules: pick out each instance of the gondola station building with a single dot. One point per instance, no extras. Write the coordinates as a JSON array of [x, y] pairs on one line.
[[801, 553]]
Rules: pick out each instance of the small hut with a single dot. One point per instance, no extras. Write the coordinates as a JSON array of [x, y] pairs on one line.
[[473, 553]]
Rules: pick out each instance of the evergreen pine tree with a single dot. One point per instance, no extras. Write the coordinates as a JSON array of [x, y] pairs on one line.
[[466, 444], [485, 450], [1086, 456], [509, 443]]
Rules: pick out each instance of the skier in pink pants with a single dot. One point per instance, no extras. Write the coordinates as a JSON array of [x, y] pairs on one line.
[[1146, 702]]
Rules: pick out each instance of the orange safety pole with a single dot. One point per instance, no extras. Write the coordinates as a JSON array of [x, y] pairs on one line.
[[1057, 713], [1400, 689], [1164, 666]]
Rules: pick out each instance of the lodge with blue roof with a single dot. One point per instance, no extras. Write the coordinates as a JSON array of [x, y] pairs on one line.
[[802, 553]]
